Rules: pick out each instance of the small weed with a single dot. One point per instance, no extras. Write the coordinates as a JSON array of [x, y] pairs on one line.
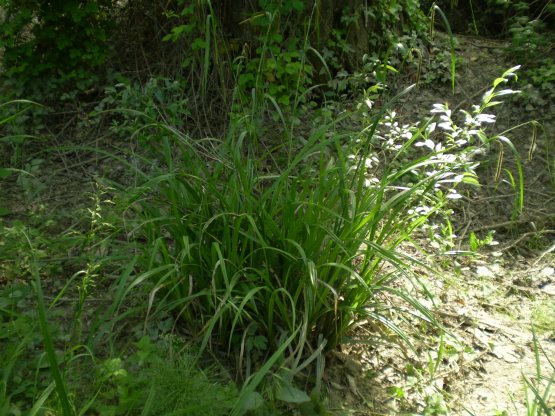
[[477, 243], [538, 388], [436, 406], [543, 317]]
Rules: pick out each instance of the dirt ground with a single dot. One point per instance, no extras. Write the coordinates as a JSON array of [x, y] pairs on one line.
[[487, 303]]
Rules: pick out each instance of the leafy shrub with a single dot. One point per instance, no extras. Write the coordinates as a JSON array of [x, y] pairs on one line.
[[531, 43], [285, 45], [492, 17], [527, 40], [280, 68], [391, 20], [62, 42], [276, 65], [159, 98]]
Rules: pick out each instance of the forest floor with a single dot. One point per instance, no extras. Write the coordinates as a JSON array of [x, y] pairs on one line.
[[489, 302]]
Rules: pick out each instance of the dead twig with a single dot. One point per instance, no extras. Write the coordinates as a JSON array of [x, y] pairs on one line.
[[503, 224], [545, 253], [524, 236]]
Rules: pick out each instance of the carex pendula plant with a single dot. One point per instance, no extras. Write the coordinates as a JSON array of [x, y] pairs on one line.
[[258, 252]]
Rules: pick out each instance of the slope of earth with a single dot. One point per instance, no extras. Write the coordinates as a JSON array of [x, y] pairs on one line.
[[490, 302]]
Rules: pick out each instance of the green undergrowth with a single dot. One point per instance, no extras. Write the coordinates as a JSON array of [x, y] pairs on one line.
[[274, 253], [259, 252], [212, 273], [146, 377]]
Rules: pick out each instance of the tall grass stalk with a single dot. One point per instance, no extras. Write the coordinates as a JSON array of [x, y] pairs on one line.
[[435, 8], [538, 392], [47, 339]]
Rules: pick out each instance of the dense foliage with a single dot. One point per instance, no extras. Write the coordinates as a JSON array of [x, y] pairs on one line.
[[64, 43], [250, 194]]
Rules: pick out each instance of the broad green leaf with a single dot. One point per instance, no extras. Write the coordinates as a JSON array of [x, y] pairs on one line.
[[498, 81], [288, 393], [252, 401], [471, 179], [4, 173]]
